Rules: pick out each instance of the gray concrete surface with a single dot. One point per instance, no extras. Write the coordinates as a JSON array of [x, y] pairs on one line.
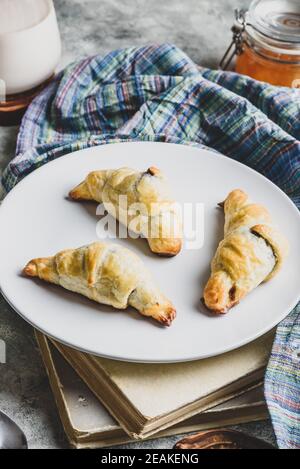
[[202, 29]]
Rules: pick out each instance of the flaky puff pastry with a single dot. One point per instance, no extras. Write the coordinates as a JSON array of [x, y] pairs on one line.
[[251, 252], [108, 274], [139, 200]]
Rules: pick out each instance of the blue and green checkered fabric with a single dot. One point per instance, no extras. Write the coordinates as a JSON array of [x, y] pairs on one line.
[[156, 93]]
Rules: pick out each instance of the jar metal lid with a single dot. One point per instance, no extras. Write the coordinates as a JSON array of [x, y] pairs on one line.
[[276, 19]]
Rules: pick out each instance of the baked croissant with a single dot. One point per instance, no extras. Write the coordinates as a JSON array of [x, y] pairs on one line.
[[139, 200], [251, 252], [108, 274]]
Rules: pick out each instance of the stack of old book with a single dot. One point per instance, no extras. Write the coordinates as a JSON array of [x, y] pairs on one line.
[[104, 402]]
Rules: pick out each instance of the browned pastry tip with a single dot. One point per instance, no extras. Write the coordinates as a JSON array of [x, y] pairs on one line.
[[236, 198], [42, 267], [219, 296], [80, 192], [168, 316], [167, 319], [165, 314], [165, 247], [30, 270], [153, 170]]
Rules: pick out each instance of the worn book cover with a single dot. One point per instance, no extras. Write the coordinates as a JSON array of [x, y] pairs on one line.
[[88, 424], [148, 398]]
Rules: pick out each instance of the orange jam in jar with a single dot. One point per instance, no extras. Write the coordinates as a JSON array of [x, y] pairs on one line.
[[278, 70], [267, 42]]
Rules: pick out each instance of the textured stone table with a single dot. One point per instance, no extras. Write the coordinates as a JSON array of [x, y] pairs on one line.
[[202, 29]]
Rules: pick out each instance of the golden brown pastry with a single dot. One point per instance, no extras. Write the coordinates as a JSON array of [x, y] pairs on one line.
[[251, 252], [108, 274], [139, 200]]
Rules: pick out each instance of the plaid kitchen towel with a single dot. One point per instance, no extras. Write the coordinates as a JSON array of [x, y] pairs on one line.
[[157, 93]]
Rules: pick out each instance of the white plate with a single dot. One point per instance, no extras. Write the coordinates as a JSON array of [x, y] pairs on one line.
[[36, 219]]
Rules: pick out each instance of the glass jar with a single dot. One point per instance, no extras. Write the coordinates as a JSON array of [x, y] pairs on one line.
[[30, 50], [267, 42]]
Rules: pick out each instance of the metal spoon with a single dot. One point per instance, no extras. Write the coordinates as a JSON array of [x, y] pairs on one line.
[[11, 436]]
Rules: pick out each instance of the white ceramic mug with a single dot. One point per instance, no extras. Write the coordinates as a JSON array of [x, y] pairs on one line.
[[30, 45]]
